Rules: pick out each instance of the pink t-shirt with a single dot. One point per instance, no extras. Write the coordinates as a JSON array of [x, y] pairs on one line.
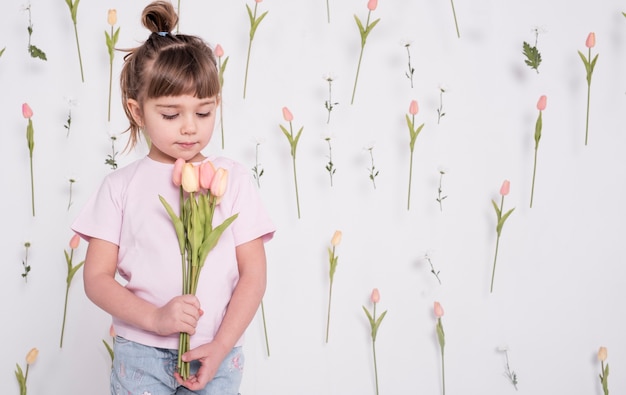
[[127, 211]]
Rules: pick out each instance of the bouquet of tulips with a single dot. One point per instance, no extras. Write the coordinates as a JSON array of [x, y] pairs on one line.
[[201, 189]]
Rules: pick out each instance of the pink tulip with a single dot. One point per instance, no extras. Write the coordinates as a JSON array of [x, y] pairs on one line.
[[438, 310], [591, 40], [74, 241], [219, 51], [27, 112], [372, 4], [258, 1], [541, 104], [413, 107], [207, 173], [177, 173], [375, 298], [287, 114], [504, 189], [190, 178], [219, 183], [112, 331]]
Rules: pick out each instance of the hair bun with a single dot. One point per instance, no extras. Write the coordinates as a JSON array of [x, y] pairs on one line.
[[159, 16]]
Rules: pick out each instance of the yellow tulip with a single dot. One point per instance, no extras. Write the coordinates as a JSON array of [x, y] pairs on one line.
[[112, 17], [336, 238], [190, 180], [602, 354], [31, 357]]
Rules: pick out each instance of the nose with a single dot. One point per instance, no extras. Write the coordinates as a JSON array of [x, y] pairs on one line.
[[188, 126]]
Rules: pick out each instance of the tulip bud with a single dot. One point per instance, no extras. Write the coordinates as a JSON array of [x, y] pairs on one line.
[[591, 40], [541, 104], [27, 112], [207, 173], [190, 178], [112, 331], [504, 189], [287, 114], [74, 241], [375, 298], [219, 183], [112, 17], [336, 238], [438, 310], [602, 354], [177, 173], [218, 51], [372, 4], [258, 1], [413, 107], [31, 357]]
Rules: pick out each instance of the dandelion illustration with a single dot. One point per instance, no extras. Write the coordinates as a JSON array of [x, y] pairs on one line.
[[432, 267], [413, 133], [27, 113], [293, 143], [590, 64], [330, 166], [332, 260], [111, 41], [111, 158], [25, 264], [71, 271], [374, 326], [364, 31], [329, 104], [441, 338], [254, 24], [373, 172], [32, 49], [22, 375], [68, 122], [456, 24], [501, 218], [257, 170], [441, 197], [70, 202], [541, 105], [73, 6], [411, 69], [604, 375], [221, 65], [440, 113], [508, 373], [533, 57]]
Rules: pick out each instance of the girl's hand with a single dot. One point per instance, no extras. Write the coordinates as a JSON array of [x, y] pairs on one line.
[[181, 314], [210, 356]]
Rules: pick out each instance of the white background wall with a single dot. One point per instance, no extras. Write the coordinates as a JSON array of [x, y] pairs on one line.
[[560, 278]]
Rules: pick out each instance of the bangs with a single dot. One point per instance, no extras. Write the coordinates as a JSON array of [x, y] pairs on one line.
[[182, 71]]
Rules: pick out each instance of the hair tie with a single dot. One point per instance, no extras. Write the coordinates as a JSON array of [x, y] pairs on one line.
[[162, 34]]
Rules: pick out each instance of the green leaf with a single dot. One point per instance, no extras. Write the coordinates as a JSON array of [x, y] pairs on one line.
[[178, 224], [213, 237], [533, 57], [73, 271], [369, 316], [109, 349], [1, 52], [495, 206], [538, 126], [501, 222], [360, 26], [36, 52]]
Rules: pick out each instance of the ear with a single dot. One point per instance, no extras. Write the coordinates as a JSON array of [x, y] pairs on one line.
[[135, 111]]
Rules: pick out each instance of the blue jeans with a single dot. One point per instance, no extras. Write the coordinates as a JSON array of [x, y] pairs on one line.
[[144, 370]]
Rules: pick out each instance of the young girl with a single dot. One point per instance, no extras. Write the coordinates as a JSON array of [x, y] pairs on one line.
[[170, 91]]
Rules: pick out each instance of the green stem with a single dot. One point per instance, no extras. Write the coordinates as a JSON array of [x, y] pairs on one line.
[[328, 10], [245, 80], [80, 58], [295, 179], [588, 99], [495, 257], [32, 185], [443, 373], [532, 189], [375, 365], [358, 69], [67, 290], [267, 343], [330, 296], [408, 204], [455, 22]]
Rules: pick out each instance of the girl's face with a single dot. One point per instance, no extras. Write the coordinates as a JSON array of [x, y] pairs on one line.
[[178, 126]]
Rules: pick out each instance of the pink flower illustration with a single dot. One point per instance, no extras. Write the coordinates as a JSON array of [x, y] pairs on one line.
[[111, 40], [221, 65], [374, 325], [293, 143], [413, 133], [590, 64], [333, 260], [254, 24], [364, 31], [541, 105], [441, 338], [501, 218], [27, 112], [71, 271]]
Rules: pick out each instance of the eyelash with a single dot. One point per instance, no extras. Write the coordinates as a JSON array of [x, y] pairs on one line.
[[171, 117]]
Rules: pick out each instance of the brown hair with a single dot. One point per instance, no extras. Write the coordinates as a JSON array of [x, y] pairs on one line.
[[166, 64]]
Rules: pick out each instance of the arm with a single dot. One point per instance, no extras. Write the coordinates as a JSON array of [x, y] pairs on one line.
[[181, 314], [242, 307]]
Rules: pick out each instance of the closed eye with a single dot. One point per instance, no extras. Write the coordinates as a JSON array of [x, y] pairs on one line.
[[169, 117], [203, 114]]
